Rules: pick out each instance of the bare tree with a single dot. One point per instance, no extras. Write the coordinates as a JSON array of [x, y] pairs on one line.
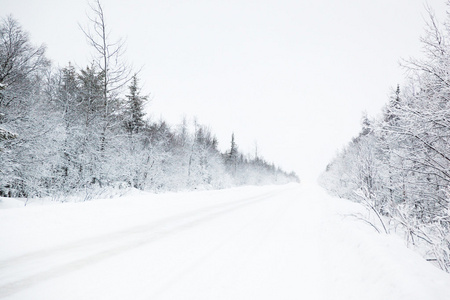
[[108, 58]]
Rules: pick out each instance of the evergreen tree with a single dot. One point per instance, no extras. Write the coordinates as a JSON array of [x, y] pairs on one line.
[[232, 156], [135, 108]]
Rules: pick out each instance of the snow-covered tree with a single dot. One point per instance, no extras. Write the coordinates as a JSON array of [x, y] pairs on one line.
[[402, 165], [68, 130], [22, 113], [134, 111]]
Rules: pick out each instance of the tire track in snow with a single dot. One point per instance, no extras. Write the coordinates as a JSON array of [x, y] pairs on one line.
[[144, 234], [100, 239], [225, 246], [201, 260]]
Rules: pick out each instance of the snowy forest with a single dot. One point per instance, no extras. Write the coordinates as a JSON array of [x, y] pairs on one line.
[[399, 164], [71, 130]]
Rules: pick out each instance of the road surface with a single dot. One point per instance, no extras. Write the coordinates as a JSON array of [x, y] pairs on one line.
[[276, 242]]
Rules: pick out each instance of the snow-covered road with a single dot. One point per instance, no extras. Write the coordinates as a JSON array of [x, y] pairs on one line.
[[274, 242]]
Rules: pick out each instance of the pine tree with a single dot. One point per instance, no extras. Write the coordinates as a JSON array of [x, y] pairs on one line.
[[232, 156], [135, 107]]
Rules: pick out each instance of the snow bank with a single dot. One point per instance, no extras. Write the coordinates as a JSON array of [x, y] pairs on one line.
[[10, 203]]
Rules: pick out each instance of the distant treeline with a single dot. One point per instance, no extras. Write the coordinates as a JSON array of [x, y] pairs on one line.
[[68, 130], [399, 165]]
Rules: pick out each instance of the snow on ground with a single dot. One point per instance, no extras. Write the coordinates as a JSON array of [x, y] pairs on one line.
[[273, 242]]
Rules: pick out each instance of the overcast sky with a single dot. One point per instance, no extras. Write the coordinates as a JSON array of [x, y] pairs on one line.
[[293, 76]]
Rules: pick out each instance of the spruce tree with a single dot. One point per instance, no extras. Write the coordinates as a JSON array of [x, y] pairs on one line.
[[135, 107], [232, 156]]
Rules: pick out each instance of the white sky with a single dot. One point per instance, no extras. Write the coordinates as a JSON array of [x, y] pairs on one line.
[[295, 76]]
